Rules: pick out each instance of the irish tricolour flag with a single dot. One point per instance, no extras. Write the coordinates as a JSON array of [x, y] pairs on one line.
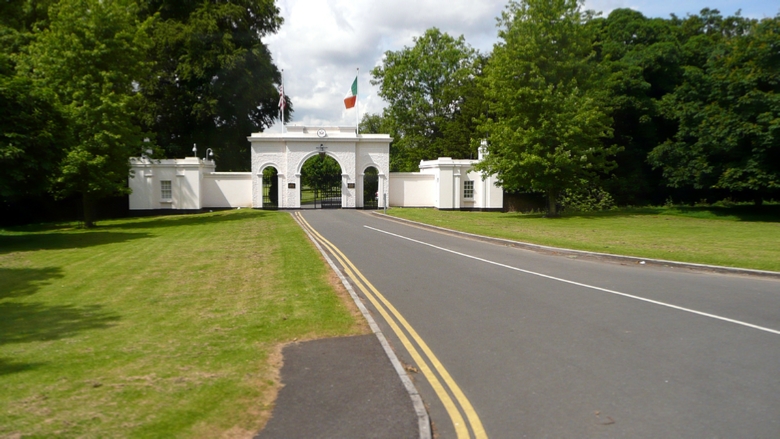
[[351, 97]]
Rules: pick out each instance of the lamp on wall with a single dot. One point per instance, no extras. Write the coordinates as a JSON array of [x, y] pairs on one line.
[[194, 149], [147, 152], [321, 150], [209, 154]]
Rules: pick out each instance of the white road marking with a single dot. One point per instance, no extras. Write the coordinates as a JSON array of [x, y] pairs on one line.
[[643, 299]]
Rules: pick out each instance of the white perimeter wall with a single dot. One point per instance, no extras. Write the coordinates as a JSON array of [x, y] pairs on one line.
[[412, 189], [185, 177], [194, 185], [227, 189]]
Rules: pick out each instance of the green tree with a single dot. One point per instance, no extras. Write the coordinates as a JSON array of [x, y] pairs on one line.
[[25, 15], [374, 124], [546, 118], [381, 124], [432, 98], [727, 108], [33, 132], [213, 82], [320, 173], [642, 62], [92, 57]]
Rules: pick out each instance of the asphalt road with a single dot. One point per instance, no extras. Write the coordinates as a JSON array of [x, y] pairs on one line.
[[572, 348]]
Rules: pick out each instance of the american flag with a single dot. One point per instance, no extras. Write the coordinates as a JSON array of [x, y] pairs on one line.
[[282, 102]]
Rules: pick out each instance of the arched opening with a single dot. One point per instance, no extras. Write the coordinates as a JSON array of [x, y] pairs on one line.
[[270, 188], [371, 188], [321, 183]]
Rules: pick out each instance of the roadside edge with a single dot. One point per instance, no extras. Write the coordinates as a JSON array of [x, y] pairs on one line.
[[594, 255], [423, 420]]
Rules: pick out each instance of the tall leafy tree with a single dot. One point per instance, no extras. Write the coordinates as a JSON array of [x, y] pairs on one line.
[[321, 173], [546, 119], [374, 124], [214, 80], [432, 98], [727, 108], [33, 131], [33, 136], [642, 62], [381, 124], [92, 57]]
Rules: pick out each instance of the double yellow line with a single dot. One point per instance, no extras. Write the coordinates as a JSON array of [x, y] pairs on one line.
[[394, 319]]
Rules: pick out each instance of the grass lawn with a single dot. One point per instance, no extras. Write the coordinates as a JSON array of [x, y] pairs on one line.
[[307, 195], [157, 327], [739, 236]]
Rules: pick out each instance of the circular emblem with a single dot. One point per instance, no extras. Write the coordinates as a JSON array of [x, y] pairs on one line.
[[321, 132]]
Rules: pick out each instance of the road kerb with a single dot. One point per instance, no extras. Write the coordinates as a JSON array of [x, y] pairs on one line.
[[423, 420], [589, 254]]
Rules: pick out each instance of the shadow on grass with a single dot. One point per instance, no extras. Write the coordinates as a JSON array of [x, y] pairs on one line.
[[29, 322], [37, 321], [196, 219], [8, 367], [749, 213], [61, 241], [20, 282]]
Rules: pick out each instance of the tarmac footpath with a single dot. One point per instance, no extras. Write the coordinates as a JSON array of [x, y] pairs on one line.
[[346, 387], [340, 388]]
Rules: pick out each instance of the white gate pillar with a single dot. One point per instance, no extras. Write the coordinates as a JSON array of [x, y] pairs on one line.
[[382, 189]]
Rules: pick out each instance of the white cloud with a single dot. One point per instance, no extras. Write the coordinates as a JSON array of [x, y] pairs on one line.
[[321, 43]]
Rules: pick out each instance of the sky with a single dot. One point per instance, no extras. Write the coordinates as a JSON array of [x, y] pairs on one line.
[[323, 43]]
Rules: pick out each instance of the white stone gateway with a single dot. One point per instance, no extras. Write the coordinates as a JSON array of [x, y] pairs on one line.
[[287, 152], [191, 184]]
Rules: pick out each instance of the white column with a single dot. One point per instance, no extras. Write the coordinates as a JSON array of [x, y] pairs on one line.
[[382, 189], [347, 200], [293, 195], [457, 189], [360, 184]]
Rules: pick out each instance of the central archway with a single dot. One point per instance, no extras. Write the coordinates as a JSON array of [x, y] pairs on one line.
[[321, 177]]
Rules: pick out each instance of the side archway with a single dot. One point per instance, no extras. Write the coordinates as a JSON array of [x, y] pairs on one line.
[[369, 187], [267, 187], [270, 188]]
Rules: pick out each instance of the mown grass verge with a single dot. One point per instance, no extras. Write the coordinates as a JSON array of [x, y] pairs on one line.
[[157, 327], [740, 236]]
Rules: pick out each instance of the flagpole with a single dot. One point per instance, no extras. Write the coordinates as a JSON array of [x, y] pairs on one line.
[[357, 104], [281, 109]]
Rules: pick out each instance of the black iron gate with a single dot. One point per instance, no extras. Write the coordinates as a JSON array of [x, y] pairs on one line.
[[321, 183], [371, 188], [326, 194], [270, 189], [331, 196]]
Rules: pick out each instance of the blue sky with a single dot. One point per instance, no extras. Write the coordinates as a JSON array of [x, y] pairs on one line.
[[321, 43]]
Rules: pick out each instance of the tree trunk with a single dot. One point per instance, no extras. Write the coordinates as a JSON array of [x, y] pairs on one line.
[[552, 206], [88, 206]]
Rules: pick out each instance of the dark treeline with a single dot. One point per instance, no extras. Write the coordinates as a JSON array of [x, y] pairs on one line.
[[86, 84], [690, 105]]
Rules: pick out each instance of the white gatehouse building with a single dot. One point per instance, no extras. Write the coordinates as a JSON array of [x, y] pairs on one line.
[[192, 183]]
